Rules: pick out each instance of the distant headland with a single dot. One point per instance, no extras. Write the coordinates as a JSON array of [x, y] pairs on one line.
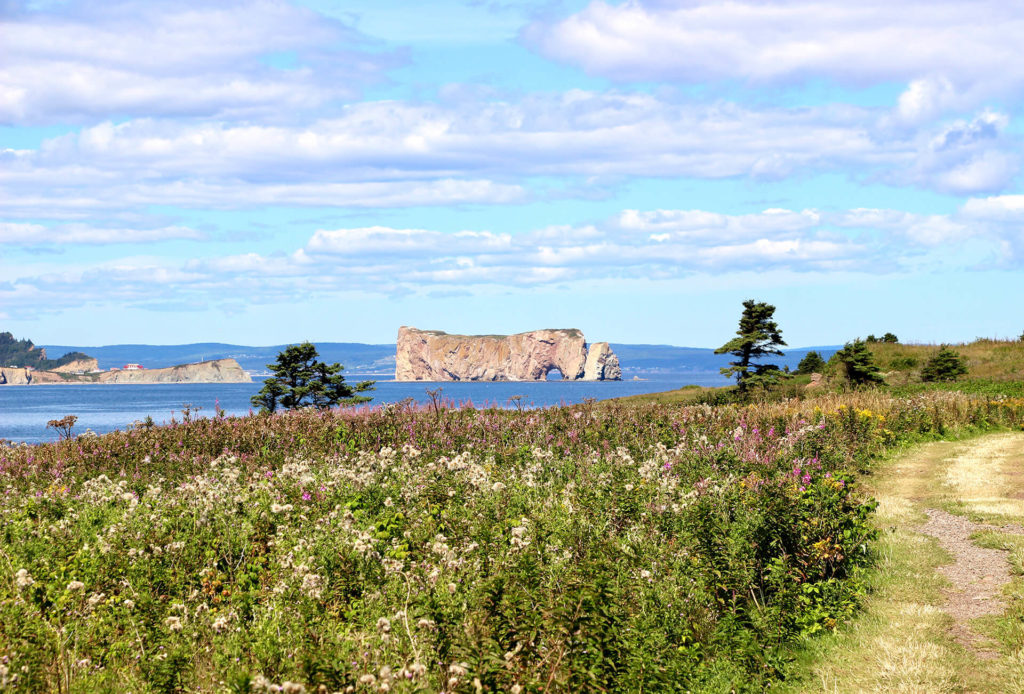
[[22, 363]]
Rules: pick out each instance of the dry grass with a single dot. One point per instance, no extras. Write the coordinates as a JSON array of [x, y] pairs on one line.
[[994, 360]]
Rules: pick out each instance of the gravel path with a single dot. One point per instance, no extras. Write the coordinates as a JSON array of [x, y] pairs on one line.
[[977, 574]]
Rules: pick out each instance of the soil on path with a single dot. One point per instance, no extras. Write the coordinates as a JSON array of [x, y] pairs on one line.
[[977, 577]]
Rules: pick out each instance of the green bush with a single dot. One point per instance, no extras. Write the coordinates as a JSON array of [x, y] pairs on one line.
[[947, 365]]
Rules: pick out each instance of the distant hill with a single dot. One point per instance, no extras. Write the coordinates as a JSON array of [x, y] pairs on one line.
[[361, 358]]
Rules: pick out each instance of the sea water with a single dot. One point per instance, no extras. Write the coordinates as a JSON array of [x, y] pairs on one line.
[[25, 410]]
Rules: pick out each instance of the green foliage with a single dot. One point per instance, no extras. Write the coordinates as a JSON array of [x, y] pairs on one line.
[[585, 548], [758, 335], [947, 365], [903, 363], [889, 338], [301, 380], [22, 353], [859, 363], [811, 363]]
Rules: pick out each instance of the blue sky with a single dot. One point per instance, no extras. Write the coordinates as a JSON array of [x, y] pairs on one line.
[[261, 171]]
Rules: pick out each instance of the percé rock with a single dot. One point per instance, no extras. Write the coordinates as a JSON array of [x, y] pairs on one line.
[[214, 371], [432, 355], [13, 376], [602, 364]]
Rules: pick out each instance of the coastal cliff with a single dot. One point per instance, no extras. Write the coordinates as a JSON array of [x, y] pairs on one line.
[[432, 355], [215, 371]]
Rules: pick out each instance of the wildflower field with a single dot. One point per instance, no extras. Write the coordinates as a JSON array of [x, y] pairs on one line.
[[598, 547]]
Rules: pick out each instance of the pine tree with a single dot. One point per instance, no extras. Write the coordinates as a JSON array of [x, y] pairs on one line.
[[860, 363], [301, 380], [758, 335], [811, 363], [947, 365]]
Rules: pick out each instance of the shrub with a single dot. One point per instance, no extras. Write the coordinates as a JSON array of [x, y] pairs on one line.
[[859, 363], [811, 363], [947, 365]]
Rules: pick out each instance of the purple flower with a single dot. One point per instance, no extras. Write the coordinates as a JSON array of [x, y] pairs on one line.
[[306, 496]]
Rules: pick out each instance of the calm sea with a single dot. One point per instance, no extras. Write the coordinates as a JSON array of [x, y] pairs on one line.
[[25, 410]]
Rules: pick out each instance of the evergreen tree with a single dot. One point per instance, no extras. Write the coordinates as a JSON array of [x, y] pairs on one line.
[[757, 336], [860, 363], [811, 363], [301, 380], [890, 338], [947, 365]]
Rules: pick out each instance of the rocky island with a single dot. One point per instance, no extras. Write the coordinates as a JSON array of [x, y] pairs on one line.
[[432, 355]]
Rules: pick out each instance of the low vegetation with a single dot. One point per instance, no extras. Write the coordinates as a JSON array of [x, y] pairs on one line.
[[614, 547]]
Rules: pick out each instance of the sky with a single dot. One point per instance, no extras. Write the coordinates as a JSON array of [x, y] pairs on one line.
[[263, 172]]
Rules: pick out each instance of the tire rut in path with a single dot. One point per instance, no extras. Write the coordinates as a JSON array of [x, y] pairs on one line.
[[977, 576]]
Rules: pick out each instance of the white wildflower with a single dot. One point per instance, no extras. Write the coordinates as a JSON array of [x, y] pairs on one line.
[[174, 623], [313, 585], [280, 508], [75, 585], [130, 604], [367, 679], [292, 688], [23, 578], [425, 624], [220, 624], [95, 599], [384, 624]]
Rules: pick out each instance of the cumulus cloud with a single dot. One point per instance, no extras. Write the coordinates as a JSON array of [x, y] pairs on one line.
[[770, 42], [392, 153], [652, 245], [80, 61]]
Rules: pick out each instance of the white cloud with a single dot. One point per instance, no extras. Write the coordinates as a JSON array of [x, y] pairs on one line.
[[997, 208], [384, 154], [37, 234], [855, 43], [655, 245], [80, 61]]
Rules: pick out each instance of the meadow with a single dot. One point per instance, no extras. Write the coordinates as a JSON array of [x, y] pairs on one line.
[[597, 547]]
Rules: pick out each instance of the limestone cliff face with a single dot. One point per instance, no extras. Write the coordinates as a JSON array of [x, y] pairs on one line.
[[84, 365], [602, 364], [11, 376], [431, 355], [215, 371]]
